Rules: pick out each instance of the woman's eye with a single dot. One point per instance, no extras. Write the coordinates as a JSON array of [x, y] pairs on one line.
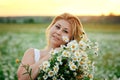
[[57, 27], [65, 31]]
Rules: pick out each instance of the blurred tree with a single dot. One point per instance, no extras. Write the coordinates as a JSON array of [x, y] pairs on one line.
[[29, 20], [111, 14]]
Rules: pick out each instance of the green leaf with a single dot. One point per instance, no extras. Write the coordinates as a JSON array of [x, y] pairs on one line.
[[30, 71]]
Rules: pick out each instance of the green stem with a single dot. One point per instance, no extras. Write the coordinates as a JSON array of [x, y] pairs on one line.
[[27, 68]]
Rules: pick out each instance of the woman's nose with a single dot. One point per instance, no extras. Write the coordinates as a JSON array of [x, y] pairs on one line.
[[59, 32]]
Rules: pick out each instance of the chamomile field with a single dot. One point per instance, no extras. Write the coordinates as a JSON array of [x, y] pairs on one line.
[[15, 39]]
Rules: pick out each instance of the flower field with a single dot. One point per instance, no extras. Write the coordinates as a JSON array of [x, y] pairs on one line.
[[16, 38]]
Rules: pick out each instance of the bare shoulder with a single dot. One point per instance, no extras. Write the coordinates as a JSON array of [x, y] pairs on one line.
[[30, 50], [28, 56]]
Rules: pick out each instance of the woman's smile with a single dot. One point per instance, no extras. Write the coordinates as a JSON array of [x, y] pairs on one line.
[[56, 38]]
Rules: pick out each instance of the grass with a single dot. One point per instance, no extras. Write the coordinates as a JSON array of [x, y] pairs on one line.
[[16, 38]]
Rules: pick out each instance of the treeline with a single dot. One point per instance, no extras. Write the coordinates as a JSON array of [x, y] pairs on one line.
[[46, 19], [26, 19], [100, 19]]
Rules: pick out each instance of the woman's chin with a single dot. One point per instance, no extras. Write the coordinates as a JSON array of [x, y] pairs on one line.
[[55, 43]]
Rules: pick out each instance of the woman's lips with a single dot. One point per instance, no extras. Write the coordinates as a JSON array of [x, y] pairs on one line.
[[56, 38]]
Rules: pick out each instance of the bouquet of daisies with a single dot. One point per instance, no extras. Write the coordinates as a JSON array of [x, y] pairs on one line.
[[69, 62]]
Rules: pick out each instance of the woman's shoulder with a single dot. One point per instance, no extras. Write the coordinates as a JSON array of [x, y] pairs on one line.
[[29, 51], [28, 57], [32, 50], [35, 51]]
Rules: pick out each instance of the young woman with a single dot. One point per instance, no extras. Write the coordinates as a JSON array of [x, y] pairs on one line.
[[62, 25]]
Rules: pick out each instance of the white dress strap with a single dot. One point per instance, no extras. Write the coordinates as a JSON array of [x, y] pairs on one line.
[[36, 55]]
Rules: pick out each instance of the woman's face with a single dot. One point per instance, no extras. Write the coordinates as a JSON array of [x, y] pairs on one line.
[[58, 30]]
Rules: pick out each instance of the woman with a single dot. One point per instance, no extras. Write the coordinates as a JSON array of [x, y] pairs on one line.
[[62, 25]]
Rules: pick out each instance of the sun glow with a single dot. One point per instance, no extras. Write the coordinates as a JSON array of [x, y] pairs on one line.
[[55, 7]]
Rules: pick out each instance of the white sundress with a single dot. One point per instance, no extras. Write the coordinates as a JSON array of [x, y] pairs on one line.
[[36, 55]]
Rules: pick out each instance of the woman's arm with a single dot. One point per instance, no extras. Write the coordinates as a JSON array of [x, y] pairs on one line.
[[28, 58]]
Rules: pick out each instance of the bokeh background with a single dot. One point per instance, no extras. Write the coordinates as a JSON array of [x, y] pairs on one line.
[[23, 24]]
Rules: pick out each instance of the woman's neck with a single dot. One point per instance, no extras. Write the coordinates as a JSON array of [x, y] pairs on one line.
[[50, 46], [48, 49]]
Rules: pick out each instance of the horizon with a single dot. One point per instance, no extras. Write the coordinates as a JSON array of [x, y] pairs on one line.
[[55, 15]]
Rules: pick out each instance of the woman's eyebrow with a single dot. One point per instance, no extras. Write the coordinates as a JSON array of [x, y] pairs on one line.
[[66, 28], [59, 24]]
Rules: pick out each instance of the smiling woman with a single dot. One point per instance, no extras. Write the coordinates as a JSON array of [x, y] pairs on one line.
[[62, 25], [54, 7]]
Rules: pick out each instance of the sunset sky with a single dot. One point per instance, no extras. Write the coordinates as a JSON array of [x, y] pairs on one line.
[[55, 7]]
